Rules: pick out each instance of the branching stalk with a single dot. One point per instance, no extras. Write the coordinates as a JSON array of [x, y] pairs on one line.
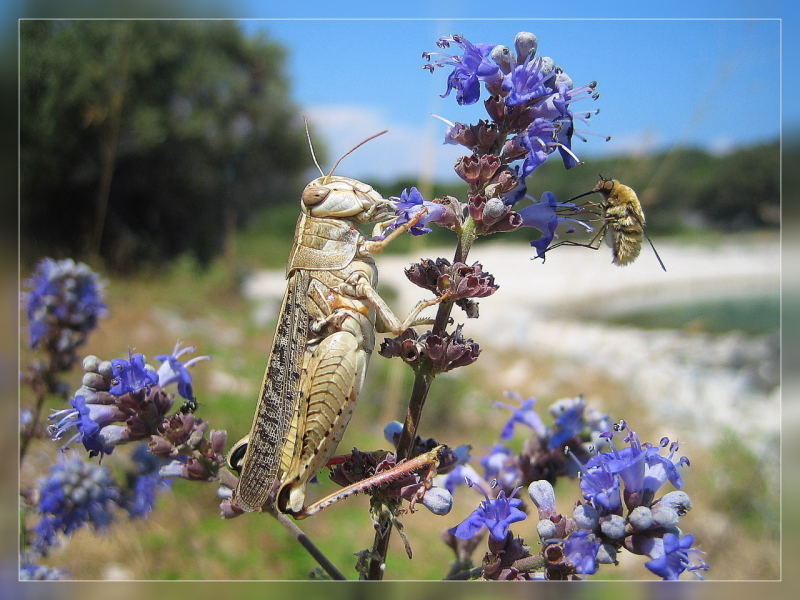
[[419, 393]]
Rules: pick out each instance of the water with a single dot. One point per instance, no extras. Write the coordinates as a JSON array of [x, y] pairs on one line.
[[749, 314]]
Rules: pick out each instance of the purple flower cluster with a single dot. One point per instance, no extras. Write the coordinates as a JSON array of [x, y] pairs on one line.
[[531, 115], [529, 96], [122, 401], [621, 508], [34, 572], [63, 304], [74, 494]]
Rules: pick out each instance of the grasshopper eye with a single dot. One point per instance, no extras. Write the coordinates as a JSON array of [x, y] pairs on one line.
[[314, 194]]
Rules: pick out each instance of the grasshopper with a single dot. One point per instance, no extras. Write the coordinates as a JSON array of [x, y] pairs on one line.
[[321, 349]]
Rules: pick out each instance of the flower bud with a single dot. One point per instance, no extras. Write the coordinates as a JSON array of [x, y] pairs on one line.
[[494, 210], [91, 363], [218, 437], [392, 432], [613, 526], [585, 516], [438, 500], [95, 381], [564, 79], [548, 65], [106, 369], [546, 529], [665, 517], [641, 518], [501, 55], [525, 44], [678, 501], [543, 496], [229, 510], [607, 554]]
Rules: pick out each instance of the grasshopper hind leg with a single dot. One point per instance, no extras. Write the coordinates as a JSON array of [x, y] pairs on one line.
[[334, 376]]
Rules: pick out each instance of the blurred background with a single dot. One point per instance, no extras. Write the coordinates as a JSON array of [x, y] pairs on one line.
[[170, 155]]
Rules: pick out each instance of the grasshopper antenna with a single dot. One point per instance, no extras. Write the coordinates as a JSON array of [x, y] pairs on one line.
[[354, 148], [311, 147]]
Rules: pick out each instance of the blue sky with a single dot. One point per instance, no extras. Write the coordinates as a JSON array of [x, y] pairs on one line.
[[663, 83]]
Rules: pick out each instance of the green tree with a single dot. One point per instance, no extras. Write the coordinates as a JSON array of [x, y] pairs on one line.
[[141, 140]]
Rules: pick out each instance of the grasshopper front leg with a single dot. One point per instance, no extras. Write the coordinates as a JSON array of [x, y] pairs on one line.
[[359, 286]]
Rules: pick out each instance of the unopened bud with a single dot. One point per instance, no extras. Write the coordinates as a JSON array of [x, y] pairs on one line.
[[641, 518], [105, 369], [91, 363], [546, 529], [613, 526], [543, 496], [585, 516], [665, 517], [438, 500], [95, 381], [678, 501], [392, 432], [525, 44], [607, 554], [501, 55], [493, 211]]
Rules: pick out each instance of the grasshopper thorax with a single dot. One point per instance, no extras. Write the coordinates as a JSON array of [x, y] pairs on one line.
[[334, 196]]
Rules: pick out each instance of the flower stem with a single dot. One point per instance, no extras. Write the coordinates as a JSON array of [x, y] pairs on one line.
[[419, 393], [306, 543], [31, 429]]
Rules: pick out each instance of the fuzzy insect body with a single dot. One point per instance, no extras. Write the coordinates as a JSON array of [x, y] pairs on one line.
[[322, 345], [624, 218]]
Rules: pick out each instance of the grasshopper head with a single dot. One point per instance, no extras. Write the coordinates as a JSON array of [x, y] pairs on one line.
[[334, 196]]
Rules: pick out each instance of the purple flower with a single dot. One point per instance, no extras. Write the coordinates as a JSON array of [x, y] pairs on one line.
[[641, 466], [469, 69], [544, 216], [73, 494], [173, 370], [569, 421], [501, 465], [131, 375], [146, 481], [63, 305], [495, 514], [32, 572], [409, 204], [93, 424], [674, 557], [528, 82], [580, 550], [524, 415], [461, 475]]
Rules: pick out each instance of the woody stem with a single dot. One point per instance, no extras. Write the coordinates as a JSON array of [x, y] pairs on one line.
[[419, 393]]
